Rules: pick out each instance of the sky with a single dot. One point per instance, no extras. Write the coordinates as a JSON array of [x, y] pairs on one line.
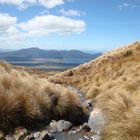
[[98, 25]]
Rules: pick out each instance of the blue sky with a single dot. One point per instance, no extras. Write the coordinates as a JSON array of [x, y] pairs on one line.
[[98, 25]]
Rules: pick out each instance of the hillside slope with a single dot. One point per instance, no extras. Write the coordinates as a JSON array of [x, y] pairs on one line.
[[115, 69], [113, 80]]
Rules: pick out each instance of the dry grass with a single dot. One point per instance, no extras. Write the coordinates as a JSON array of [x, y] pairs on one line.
[[114, 81], [31, 101], [93, 92], [105, 72], [34, 71], [122, 114]]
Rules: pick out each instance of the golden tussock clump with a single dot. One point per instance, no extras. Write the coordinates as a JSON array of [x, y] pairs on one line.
[[28, 101], [122, 114]]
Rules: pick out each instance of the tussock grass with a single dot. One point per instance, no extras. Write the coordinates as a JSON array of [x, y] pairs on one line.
[[93, 92], [31, 101], [122, 114], [107, 69], [116, 75]]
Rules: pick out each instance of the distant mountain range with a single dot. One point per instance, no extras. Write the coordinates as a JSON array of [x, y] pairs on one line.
[[36, 53]]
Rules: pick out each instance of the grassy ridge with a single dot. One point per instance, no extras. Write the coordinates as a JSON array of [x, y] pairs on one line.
[[108, 71]]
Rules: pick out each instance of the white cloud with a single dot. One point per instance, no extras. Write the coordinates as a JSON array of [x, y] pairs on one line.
[[6, 22], [47, 24], [128, 5], [71, 12], [19, 3], [50, 3], [8, 28], [26, 3], [39, 26]]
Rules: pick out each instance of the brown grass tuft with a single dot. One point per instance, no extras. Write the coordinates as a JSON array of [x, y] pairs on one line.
[[93, 92], [122, 114], [31, 101]]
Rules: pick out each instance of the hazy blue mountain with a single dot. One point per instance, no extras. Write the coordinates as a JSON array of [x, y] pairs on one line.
[[36, 53]]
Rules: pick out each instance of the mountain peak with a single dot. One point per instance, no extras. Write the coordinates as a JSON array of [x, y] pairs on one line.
[[32, 48]]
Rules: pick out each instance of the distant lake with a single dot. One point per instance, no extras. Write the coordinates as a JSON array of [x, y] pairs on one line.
[[51, 64]]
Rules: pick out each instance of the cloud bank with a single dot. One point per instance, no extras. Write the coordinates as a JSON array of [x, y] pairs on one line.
[[39, 26], [8, 27], [46, 24]]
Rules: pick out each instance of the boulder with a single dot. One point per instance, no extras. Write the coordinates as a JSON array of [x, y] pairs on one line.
[[96, 120], [61, 125]]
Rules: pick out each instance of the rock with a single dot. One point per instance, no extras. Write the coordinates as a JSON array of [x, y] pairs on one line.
[[43, 133], [9, 137], [96, 120], [20, 133], [47, 137], [37, 135], [52, 132], [53, 125], [20, 130], [61, 125], [29, 137], [72, 132], [86, 137], [88, 103], [96, 137], [67, 136], [79, 129], [85, 127], [38, 139]]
